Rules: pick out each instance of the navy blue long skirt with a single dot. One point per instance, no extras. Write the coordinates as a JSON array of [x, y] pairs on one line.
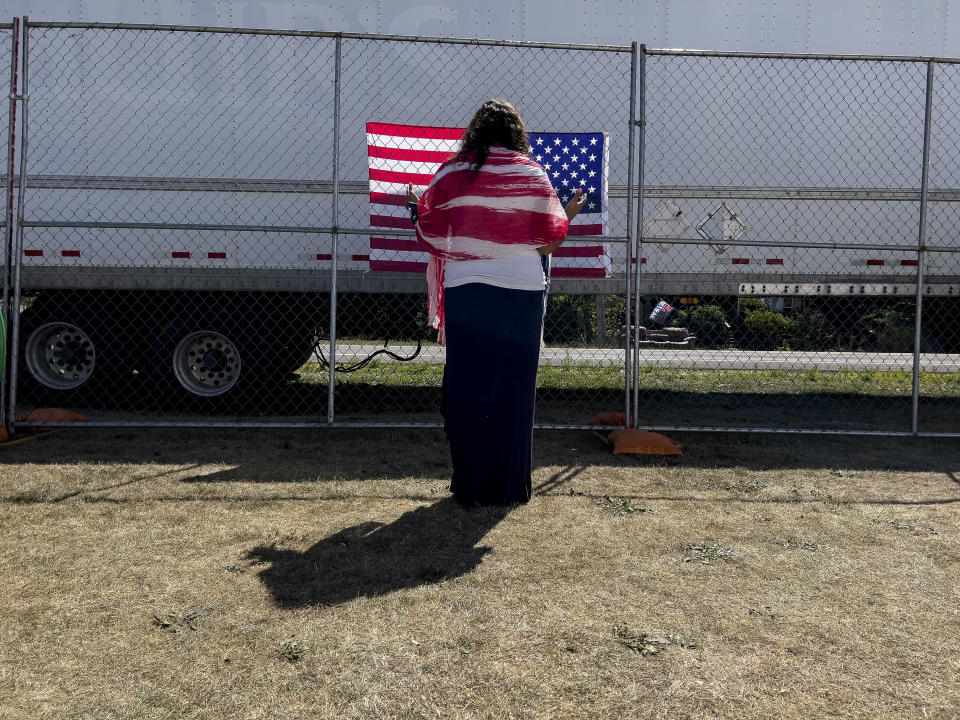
[[493, 346]]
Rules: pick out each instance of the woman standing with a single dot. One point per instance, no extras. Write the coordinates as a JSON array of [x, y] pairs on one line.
[[487, 218]]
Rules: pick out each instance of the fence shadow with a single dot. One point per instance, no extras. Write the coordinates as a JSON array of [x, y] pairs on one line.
[[426, 545], [357, 455]]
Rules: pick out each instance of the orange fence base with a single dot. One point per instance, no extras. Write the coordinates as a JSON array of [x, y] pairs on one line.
[[641, 442]]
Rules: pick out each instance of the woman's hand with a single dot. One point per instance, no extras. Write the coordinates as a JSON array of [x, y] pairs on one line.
[[411, 195], [574, 207], [548, 249]]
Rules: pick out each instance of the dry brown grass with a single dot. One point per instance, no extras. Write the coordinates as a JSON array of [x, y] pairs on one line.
[[326, 575]]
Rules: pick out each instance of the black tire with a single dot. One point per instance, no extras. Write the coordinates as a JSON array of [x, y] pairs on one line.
[[291, 352]]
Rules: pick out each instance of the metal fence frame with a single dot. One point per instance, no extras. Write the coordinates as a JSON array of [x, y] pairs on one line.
[[333, 231], [921, 248], [7, 223], [633, 238]]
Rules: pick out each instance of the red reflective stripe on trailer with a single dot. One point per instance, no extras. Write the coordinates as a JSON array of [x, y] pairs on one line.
[[33, 253], [909, 263], [217, 255], [70, 253], [774, 261], [874, 262], [643, 261], [431, 133], [362, 258], [180, 255], [740, 261], [324, 256]]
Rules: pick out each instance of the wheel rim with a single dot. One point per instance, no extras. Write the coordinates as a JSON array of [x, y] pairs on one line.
[[206, 363], [60, 356]]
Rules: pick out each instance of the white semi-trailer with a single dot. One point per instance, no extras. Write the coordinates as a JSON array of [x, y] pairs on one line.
[[178, 189]]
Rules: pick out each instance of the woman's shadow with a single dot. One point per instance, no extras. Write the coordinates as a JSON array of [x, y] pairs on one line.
[[432, 543]]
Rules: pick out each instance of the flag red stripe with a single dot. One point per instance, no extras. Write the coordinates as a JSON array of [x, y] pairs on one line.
[[400, 177], [415, 131], [387, 199], [391, 222], [593, 229], [378, 243], [398, 266], [434, 156], [573, 272], [579, 251]]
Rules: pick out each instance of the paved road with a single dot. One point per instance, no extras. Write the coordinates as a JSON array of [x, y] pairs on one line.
[[696, 359]]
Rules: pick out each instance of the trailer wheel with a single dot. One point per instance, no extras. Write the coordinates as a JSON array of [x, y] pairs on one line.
[[207, 363], [59, 354], [206, 354]]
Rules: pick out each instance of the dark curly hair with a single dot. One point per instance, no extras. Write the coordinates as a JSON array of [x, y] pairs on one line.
[[495, 122]]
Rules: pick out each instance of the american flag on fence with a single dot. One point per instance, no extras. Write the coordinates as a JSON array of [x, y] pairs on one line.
[[401, 154]]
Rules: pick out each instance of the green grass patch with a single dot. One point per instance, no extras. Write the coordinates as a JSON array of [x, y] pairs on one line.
[[586, 376]]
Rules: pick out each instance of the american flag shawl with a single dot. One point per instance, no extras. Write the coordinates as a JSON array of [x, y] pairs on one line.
[[507, 206]]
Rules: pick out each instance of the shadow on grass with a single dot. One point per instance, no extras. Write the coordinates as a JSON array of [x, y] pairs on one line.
[[427, 545], [346, 455]]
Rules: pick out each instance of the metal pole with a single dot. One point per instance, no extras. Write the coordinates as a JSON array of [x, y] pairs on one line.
[[642, 123], [629, 254], [8, 235], [334, 212], [799, 56], [921, 249], [349, 36], [17, 251], [601, 319]]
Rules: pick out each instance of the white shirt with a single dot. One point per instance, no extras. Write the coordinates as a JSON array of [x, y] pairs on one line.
[[523, 271]]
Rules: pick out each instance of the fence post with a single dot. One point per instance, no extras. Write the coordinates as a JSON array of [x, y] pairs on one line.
[[921, 248], [335, 212], [6, 304], [16, 252], [641, 122], [629, 254]]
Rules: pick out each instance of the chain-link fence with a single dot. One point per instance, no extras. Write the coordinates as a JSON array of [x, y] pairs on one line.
[[211, 230], [786, 196]]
